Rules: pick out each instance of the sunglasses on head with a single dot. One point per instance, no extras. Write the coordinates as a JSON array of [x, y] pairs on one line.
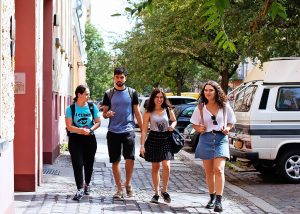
[[213, 117]]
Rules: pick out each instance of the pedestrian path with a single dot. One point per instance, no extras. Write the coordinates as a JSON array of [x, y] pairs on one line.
[[186, 187]]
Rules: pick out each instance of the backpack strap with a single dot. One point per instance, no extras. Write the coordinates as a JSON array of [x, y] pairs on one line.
[[225, 116], [91, 107], [168, 114], [200, 107], [110, 93], [72, 107], [131, 91]]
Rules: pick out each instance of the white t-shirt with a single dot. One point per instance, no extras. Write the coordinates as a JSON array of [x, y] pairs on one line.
[[208, 122]]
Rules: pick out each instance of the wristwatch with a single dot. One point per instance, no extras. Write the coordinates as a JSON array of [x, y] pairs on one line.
[[91, 132]]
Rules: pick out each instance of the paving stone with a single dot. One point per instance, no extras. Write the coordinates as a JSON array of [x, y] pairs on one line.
[[187, 189]]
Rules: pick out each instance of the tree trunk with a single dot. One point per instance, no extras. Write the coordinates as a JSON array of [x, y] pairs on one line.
[[178, 88], [225, 80], [178, 84]]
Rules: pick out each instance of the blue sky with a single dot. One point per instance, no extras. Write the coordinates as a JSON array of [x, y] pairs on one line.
[[110, 28]]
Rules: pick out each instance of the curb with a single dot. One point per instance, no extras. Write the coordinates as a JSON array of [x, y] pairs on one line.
[[266, 207]]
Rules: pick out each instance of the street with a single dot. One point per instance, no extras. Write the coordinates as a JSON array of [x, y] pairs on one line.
[[244, 192]]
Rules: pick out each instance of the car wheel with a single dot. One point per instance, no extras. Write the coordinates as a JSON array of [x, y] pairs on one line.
[[289, 166]]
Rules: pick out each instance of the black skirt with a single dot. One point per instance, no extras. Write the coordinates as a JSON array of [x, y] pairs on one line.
[[158, 147]]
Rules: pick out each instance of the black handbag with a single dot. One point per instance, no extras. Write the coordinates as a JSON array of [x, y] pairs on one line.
[[176, 140]]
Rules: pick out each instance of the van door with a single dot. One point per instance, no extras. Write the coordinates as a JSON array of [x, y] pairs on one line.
[[286, 114]]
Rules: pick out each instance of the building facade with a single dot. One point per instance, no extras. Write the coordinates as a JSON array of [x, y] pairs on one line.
[[7, 115], [42, 61]]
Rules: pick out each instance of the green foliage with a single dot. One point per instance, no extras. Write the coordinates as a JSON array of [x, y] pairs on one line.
[[98, 72], [173, 43], [214, 10], [278, 9], [63, 148]]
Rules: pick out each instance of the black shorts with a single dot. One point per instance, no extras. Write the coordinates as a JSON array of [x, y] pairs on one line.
[[118, 143]]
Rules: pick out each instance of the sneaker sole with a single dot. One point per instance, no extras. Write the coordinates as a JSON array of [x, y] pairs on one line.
[[77, 199]]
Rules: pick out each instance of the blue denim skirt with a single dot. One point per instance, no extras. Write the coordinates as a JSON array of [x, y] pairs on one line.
[[212, 145]]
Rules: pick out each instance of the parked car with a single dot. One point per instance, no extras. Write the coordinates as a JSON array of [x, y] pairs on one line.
[[183, 115], [143, 104], [191, 137], [267, 127], [177, 100]]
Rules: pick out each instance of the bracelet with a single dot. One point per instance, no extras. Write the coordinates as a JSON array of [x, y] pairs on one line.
[[142, 145]]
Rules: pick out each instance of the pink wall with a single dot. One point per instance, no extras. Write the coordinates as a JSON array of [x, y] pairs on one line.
[[25, 144], [50, 137]]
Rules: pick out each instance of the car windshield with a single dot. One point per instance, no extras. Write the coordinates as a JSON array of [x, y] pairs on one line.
[[243, 99], [188, 111]]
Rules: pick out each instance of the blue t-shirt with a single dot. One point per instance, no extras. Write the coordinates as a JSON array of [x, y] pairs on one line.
[[121, 104], [83, 117]]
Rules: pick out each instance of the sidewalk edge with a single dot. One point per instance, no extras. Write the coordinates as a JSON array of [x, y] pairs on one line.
[[255, 200]]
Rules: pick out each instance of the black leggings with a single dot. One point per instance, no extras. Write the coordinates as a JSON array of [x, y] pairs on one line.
[[82, 149]]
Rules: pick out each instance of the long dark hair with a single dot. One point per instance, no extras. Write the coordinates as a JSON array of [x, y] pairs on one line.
[[221, 97], [151, 105], [79, 90]]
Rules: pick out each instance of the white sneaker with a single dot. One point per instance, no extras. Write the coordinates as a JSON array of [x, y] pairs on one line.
[[118, 194], [79, 194], [129, 191]]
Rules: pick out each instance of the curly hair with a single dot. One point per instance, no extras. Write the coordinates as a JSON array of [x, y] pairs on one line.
[[221, 97], [151, 105]]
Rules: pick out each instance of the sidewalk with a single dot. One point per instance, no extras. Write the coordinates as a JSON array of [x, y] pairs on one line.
[[186, 187]]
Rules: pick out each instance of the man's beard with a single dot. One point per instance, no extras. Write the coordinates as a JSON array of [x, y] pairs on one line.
[[120, 84]]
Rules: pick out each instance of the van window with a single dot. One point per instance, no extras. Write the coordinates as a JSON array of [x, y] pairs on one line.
[[288, 99], [244, 99], [264, 99]]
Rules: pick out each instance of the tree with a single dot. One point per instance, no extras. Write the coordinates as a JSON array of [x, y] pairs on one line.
[[149, 62], [172, 33], [255, 28], [98, 70], [214, 13]]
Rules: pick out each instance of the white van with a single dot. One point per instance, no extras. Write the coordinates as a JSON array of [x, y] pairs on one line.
[[267, 109]]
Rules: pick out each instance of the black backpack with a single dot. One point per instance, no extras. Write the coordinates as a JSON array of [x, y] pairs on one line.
[[72, 107]]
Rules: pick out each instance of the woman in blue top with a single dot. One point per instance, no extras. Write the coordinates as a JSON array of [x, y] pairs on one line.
[[82, 142]]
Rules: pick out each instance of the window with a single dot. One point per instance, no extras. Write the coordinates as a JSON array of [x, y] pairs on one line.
[[56, 107], [288, 99], [243, 99], [188, 111]]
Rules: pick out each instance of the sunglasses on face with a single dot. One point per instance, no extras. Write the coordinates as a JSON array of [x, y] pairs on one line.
[[213, 117]]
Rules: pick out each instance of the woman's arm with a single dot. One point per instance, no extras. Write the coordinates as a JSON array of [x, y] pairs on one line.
[[172, 119], [146, 120], [71, 128], [199, 128], [96, 125], [227, 129]]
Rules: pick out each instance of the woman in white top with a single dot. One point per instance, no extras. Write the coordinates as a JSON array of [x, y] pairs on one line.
[[157, 148], [213, 119]]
